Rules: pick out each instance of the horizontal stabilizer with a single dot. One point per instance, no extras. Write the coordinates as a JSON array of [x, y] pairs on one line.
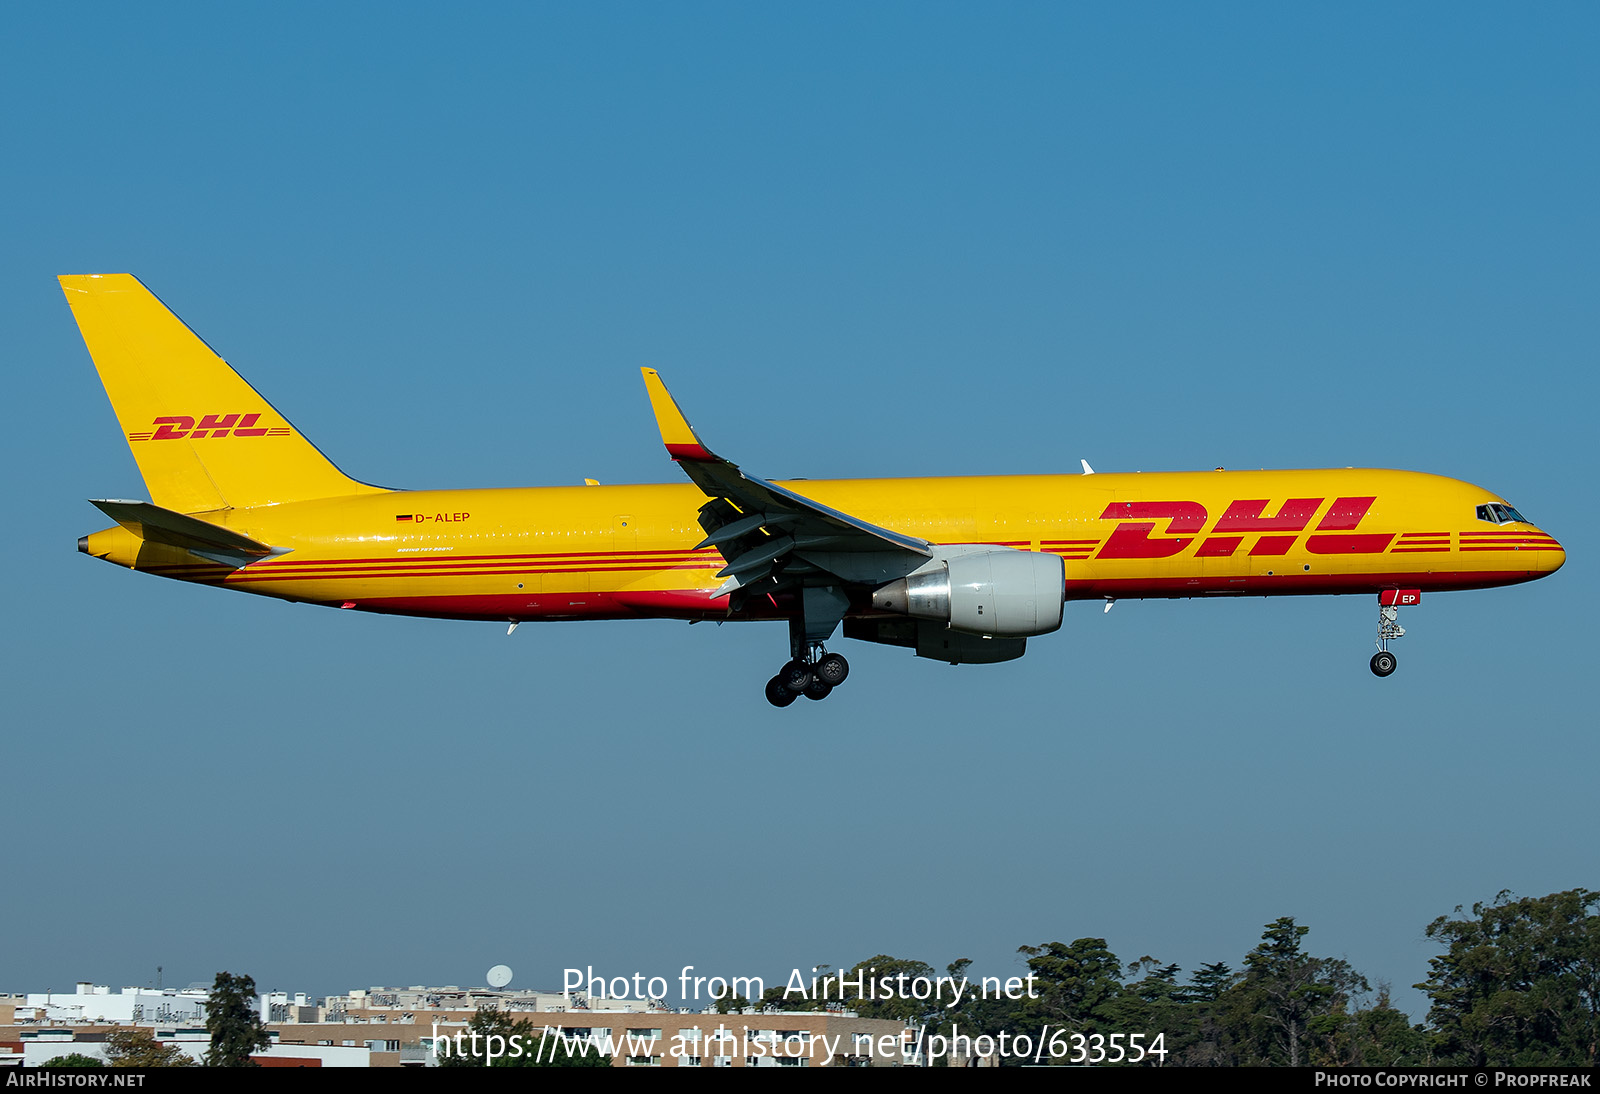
[[154, 524]]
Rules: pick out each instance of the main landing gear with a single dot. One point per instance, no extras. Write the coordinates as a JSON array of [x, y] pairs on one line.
[[814, 676], [812, 671], [1383, 662]]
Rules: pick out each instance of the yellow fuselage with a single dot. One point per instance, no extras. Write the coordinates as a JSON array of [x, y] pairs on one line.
[[593, 552]]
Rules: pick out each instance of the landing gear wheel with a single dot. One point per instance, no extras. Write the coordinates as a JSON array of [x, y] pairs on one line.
[[1383, 663], [796, 676], [831, 669], [818, 689], [777, 694]]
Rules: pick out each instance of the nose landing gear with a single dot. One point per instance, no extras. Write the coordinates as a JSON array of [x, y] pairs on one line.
[[1383, 662]]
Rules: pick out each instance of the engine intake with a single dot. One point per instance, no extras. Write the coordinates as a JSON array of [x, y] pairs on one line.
[[991, 591]]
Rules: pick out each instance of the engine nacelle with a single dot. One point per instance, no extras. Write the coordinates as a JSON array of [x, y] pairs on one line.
[[992, 591]]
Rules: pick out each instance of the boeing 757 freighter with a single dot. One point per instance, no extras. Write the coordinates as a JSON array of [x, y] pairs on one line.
[[963, 570]]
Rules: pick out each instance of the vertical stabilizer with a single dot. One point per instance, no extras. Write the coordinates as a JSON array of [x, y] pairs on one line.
[[203, 438]]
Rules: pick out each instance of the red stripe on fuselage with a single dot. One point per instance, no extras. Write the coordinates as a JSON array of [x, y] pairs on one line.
[[444, 556], [245, 576]]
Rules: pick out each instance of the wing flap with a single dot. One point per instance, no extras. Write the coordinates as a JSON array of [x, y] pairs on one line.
[[743, 526]]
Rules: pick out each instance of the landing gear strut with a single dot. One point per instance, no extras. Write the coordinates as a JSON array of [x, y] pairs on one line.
[[812, 671], [1383, 662]]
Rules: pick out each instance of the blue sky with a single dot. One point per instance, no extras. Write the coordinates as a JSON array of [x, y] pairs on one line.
[[892, 239]]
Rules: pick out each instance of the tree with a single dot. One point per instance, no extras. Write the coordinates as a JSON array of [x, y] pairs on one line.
[[1207, 983], [780, 997], [1073, 984], [72, 1059], [1289, 996], [233, 1018], [493, 1039], [1519, 985], [890, 984], [1209, 1038], [1153, 1004], [732, 1004], [1381, 1036], [974, 1014], [562, 1053], [136, 1048]]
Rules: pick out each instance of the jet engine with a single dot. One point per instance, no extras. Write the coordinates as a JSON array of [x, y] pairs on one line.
[[991, 591]]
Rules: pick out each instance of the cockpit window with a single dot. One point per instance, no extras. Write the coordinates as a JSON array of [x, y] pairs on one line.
[[1496, 513]]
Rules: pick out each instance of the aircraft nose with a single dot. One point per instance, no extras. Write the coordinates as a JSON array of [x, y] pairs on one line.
[[1554, 557], [1549, 555]]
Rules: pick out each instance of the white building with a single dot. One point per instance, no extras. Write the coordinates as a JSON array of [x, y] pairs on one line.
[[194, 1043], [98, 1003], [368, 1001]]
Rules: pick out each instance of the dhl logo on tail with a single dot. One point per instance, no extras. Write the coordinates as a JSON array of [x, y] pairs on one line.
[[177, 427]]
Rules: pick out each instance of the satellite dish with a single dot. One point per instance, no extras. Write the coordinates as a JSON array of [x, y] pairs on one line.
[[499, 976]]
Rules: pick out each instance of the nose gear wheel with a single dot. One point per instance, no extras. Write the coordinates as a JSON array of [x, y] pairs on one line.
[[1383, 662]]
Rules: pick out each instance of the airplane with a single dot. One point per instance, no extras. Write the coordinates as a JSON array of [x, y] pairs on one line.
[[963, 570]]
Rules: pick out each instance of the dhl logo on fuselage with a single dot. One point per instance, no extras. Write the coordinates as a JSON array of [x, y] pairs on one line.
[[178, 427], [1187, 519]]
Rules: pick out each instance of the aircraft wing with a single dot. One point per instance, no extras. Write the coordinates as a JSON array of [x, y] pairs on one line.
[[773, 538]]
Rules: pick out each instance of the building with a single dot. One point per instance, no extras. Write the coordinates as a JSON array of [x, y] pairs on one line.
[[98, 1003], [33, 1047], [388, 1004], [415, 1026]]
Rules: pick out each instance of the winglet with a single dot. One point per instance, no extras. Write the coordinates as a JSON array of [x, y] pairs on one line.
[[682, 442]]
